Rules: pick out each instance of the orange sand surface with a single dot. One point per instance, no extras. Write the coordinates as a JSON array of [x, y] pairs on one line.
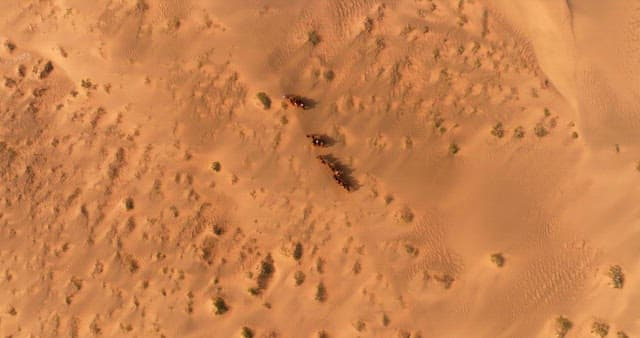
[[491, 149]]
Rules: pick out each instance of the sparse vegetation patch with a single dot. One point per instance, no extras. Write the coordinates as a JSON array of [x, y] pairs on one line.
[[264, 99], [313, 38], [600, 329], [220, 306], [498, 259], [617, 277], [563, 325]]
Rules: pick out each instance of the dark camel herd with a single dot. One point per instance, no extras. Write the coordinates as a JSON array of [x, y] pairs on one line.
[[340, 173]]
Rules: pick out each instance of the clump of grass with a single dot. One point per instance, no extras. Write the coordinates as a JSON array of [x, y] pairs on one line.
[[368, 25], [617, 277], [600, 329], [129, 204], [221, 306], [321, 292], [406, 215], [498, 259], [313, 38], [264, 99], [266, 272], [323, 334], [621, 334], [216, 166], [247, 332], [574, 134], [385, 320], [498, 130], [254, 291], [46, 70], [453, 148], [411, 250], [329, 75], [320, 265], [446, 280], [540, 130], [518, 132], [299, 277], [547, 112], [297, 251], [563, 325]]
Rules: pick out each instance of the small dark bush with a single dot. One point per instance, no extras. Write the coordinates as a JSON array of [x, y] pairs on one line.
[[297, 251], [321, 292], [314, 38], [221, 306], [264, 99], [563, 325]]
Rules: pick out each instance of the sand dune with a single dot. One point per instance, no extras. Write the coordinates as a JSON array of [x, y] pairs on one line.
[[489, 148]]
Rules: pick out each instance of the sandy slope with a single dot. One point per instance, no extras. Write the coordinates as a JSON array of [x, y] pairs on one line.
[[113, 222]]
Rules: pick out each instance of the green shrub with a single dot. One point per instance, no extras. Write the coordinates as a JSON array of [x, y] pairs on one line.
[[299, 277], [329, 75], [247, 332], [540, 130], [321, 292], [264, 99], [297, 251], [314, 38], [498, 130], [600, 329], [617, 277], [221, 306], [498, 259], [563, 325], [216, 166], [453, 149]]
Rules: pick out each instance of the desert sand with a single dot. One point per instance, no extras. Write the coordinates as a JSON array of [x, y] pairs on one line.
[[154, 182]]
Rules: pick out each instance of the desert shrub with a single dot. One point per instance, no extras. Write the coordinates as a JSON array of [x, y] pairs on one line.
[[453, 149], [321, 292], [563, 325], [498, 259], [247, 332], [600, 329], [297, 251], [46, 70], [540, 130], [220, 305], [266, 272], [313, 38], [385, 320], [323, 334], [498, 130], [299, 277], [518, 132], [128, 203], [264, 99], [617, 277], [574, 134], [406, 215], [329, 75], [254, 291], [216, 166], [621, 334], [320, 265], [446, 280]]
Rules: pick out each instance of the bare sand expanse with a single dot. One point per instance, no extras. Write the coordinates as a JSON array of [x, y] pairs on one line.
[[490, 149]]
